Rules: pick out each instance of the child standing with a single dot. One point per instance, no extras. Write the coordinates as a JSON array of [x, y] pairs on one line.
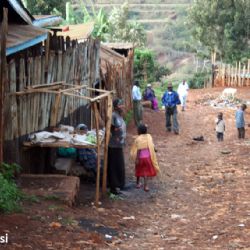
[[240, 121], [143, 154], [220, 127]]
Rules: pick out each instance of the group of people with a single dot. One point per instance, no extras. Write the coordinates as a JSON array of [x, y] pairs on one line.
[[143, 151], [220, 126]]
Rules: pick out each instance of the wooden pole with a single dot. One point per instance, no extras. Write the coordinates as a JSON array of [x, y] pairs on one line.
[[239, 75], [248, 72], [2, 77], [54, 113], [97, 195], [107, 136], [243, 75]]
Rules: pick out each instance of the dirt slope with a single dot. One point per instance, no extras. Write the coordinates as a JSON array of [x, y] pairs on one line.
[[201, 199]]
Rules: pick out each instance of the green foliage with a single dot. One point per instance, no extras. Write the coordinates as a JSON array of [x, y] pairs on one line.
[[128, 117], [161, 71], [72, 17], [198, 80], [113, 28], [8, 171], [222, 26], [177, 34], [46, 7], [52, 197], [144, 64], [10, 195], [146, 68]]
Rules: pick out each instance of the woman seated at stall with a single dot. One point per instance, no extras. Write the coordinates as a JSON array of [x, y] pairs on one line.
[[149, 95]]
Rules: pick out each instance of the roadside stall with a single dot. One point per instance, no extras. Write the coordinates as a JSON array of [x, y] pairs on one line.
[[56, 138]]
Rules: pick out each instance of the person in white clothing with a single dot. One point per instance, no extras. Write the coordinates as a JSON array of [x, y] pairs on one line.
[[137, 106], [183, 92], [220, 127]]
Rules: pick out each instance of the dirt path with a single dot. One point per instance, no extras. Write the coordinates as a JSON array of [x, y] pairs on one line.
[[201, 199]]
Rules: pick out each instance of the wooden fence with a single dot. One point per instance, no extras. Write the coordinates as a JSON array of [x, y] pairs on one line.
[[63, 61], [232, 76]]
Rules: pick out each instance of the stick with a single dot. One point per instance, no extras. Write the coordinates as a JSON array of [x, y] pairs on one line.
[[2, 77], [107, 136], [98, 155]]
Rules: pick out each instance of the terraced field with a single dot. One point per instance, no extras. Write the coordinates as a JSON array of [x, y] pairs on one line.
[[155, 16], [159, 18]]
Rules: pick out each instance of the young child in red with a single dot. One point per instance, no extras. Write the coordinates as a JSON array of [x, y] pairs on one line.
[[143, 154]]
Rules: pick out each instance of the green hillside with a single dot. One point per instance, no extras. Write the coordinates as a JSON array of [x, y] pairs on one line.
[[165, 23]]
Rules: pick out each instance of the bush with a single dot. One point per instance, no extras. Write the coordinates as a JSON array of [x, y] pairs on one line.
[[9, 171], [146, 67], [199, 80], [161, 71], [10, 195]]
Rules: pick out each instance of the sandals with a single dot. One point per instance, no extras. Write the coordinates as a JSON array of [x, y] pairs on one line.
[[139, 185]]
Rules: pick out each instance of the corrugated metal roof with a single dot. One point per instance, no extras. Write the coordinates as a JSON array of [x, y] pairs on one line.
[[110, 55], [78, 31], [21, 11], [107, 55], [46, 20], [119, 45], [21, 37]]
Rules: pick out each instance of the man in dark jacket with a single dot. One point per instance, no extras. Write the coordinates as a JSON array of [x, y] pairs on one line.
[[170, 100]]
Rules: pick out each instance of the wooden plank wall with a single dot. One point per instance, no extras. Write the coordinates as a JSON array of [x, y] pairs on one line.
[[69, 61], [232, 76], [120, 78]]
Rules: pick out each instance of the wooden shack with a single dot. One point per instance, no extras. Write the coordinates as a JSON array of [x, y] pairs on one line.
[[117, 70], [33, 59]]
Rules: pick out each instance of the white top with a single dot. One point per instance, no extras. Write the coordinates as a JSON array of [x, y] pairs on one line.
[[136, 93], [183, 89], [220, 127]]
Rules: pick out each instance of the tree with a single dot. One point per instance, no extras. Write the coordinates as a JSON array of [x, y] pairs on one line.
[[113, 28], [222, 26], [120, 29], [146, 69]]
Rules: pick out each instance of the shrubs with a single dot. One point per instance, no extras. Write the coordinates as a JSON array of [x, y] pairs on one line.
[[10, 195], [146, 67], [199, 80]]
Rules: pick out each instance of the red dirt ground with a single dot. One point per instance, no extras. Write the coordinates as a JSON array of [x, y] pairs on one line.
[[201, 200]]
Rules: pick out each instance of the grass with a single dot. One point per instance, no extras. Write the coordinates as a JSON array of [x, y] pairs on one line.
[[69, 221], [55, 208], [51, 197]]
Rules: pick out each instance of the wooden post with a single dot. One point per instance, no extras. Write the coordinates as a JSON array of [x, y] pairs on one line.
[[3, 77], [230, 74], [107, 136], [235, 75], [243, 75], [239, 75], [54, 113], [97, 194], [248, 72]]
